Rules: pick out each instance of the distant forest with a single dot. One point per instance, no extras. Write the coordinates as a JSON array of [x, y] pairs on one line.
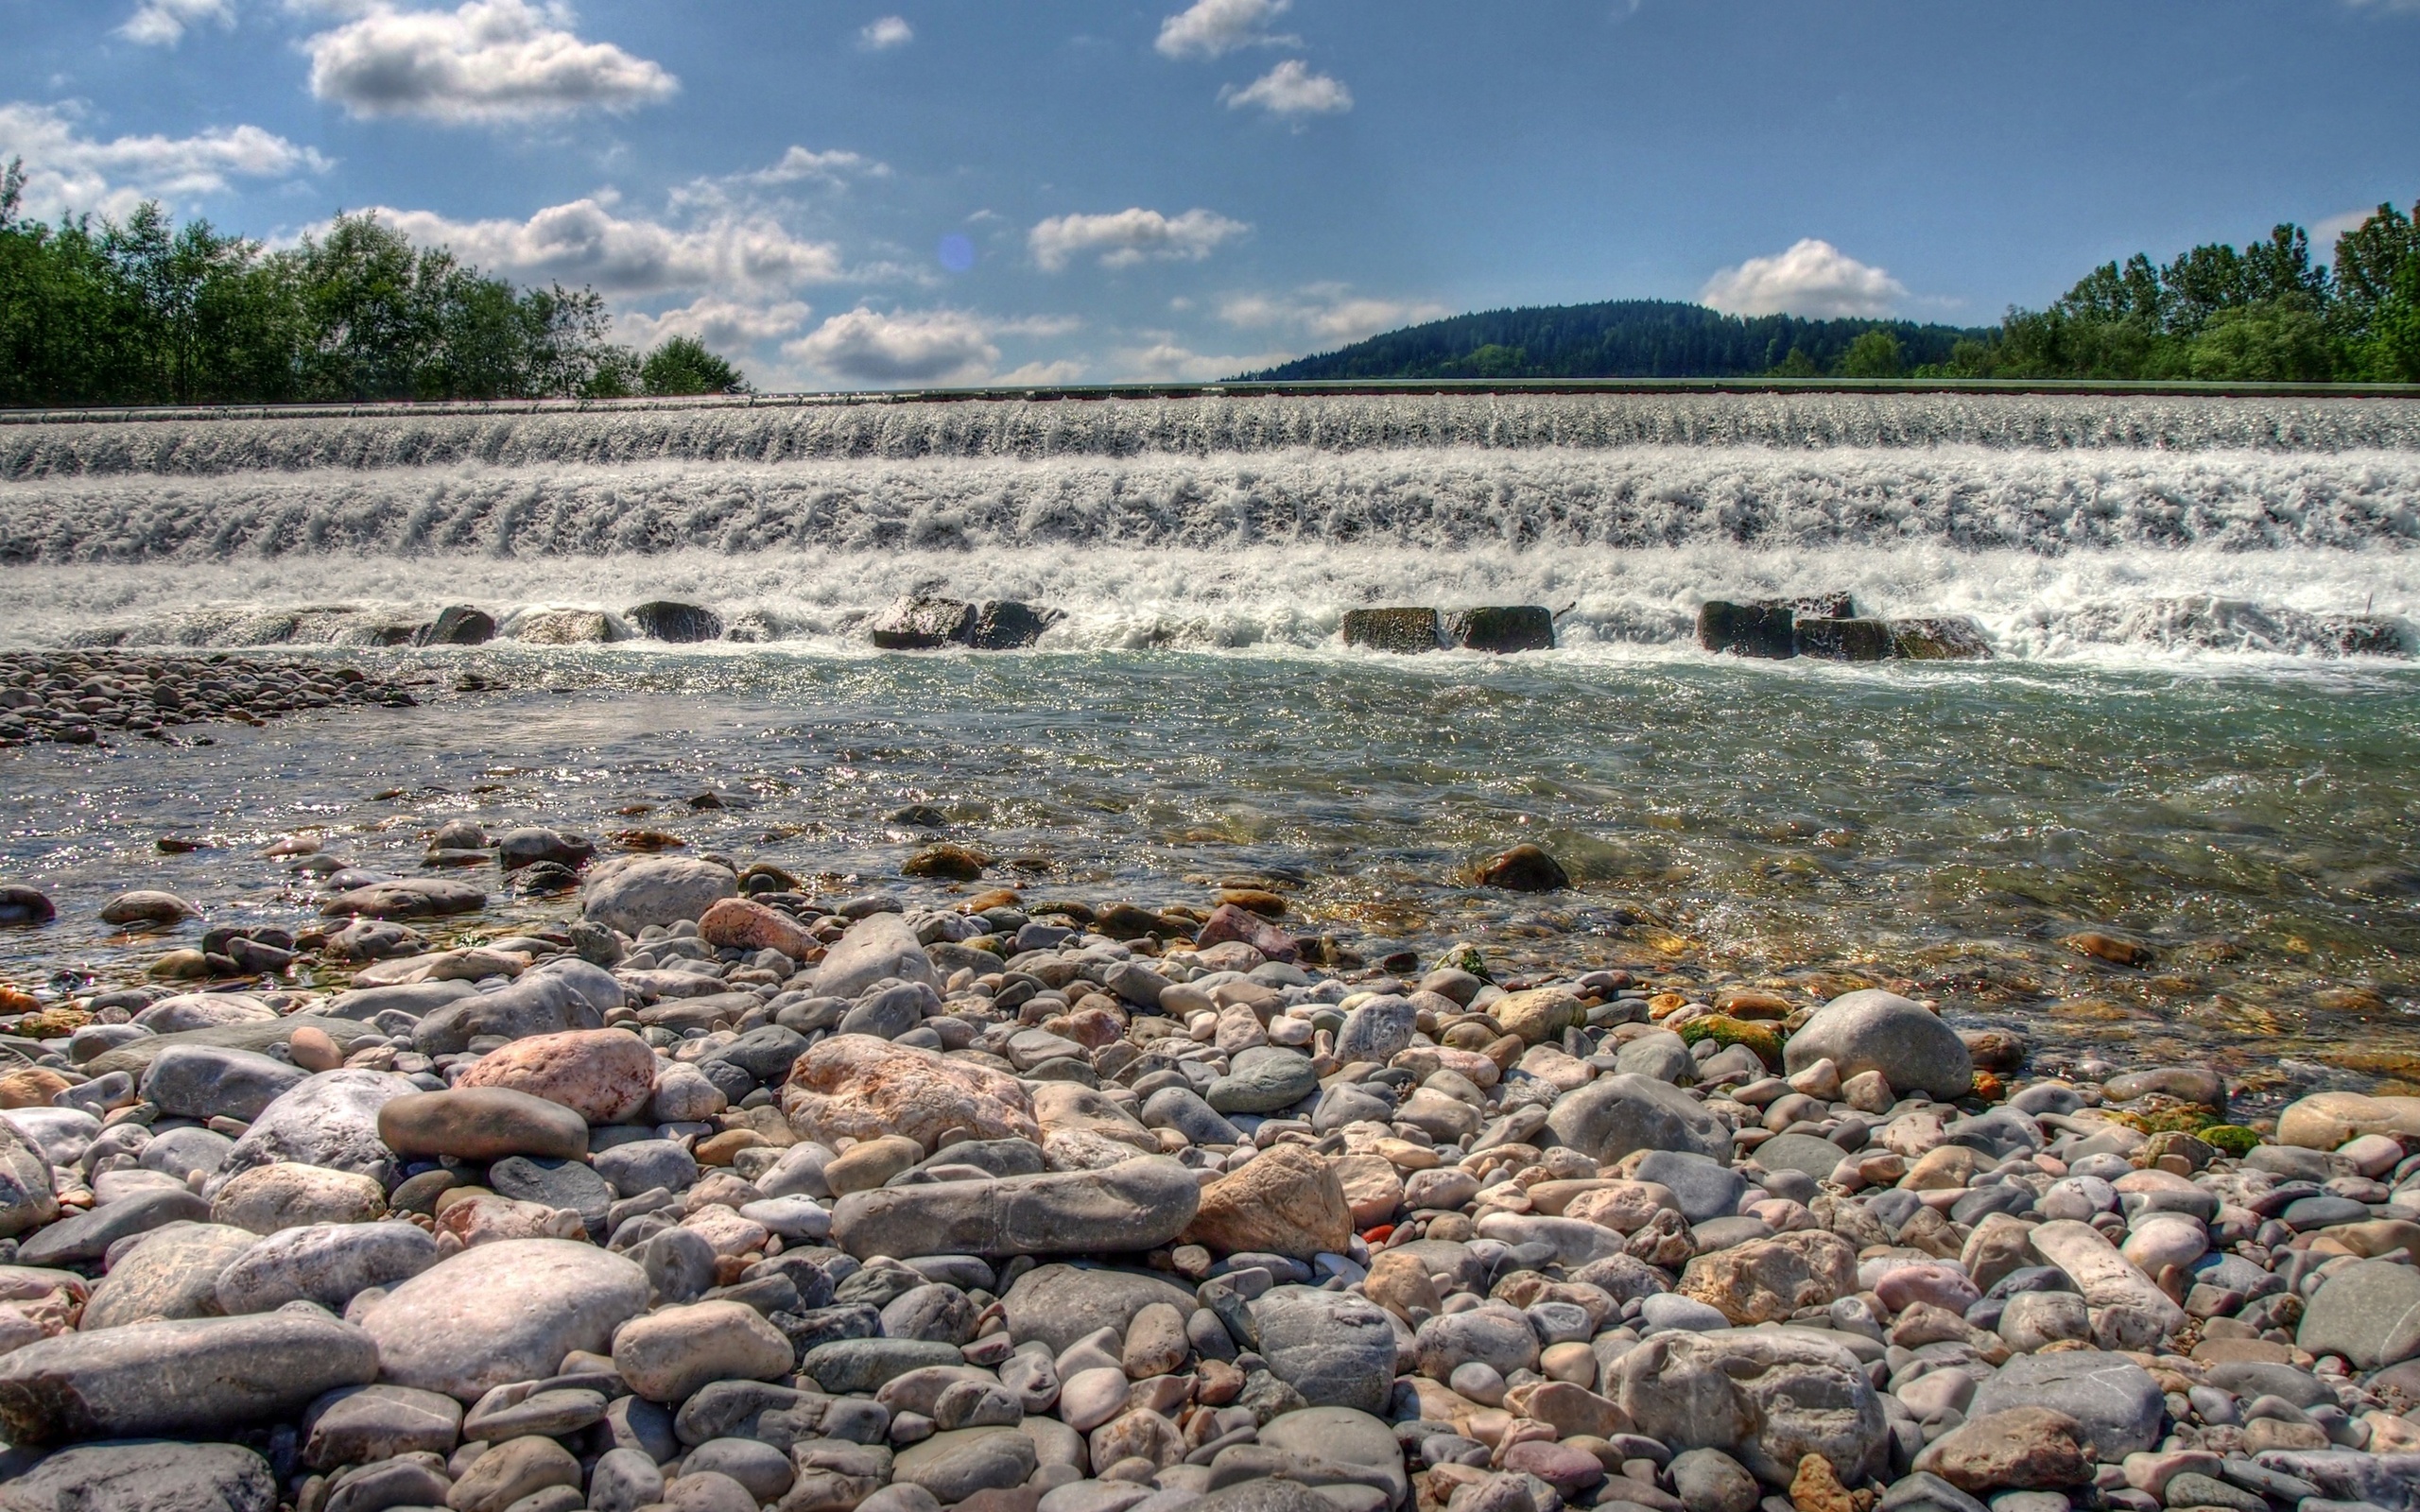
[[2264, 312], [149, 313]]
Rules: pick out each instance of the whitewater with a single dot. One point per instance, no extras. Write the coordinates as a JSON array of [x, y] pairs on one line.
[[2067, 525]]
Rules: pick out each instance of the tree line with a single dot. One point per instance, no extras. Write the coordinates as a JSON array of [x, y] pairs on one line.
[[146, 312], [2264, 312]]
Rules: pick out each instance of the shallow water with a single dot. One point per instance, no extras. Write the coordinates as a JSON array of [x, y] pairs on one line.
[[1939, 827]]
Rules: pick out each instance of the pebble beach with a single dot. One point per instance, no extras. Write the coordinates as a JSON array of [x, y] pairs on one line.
[[705, 1181]]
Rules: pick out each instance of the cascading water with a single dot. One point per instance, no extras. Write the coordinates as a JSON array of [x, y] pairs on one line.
[[2066, 524]]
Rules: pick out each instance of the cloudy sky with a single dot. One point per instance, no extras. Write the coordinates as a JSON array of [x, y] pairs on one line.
[[899, 193]]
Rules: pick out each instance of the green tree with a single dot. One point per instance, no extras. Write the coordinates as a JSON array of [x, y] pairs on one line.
[[1875, 354], [683, 364], [2390, 354], [1797, 365], [2277, 340]]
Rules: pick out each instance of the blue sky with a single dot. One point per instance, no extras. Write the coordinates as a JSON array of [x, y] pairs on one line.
[[899, 193]]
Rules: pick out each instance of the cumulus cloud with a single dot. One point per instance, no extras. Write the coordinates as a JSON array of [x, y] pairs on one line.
[[911, 347], [489, 60], [1168, 361], [1213, 28], [1130, 236], [1044, 374], [1814, 278], [67, 170], [164, 23], [719, 322], [585, 242], [799, 166], [881, 36], [1326, 312], [1291, 89]]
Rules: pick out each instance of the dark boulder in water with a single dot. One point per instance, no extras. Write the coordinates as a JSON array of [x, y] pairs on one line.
[[1940, 638], [1844, 640], [681, 623], [20, 904], [1524, 868], [1006, 625], [1392, 629], [2368, 634], [919, 624], [461, 625], [1747, 630], [1502, 629]]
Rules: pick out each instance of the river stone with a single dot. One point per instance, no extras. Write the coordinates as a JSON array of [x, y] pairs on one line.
[[642, 1166], [136, 1055], [173, 1273], [1183, 1109], [272, 1197], [954, 1466], [201, 1082], [876, 946], [2103, 1277], [1615, 1116], [1286, 1201], [1132, 1205], [503, 1312], [1262, 1080], [329, 1120], [2324, 1120], [2369, 1313], [360, 1425], [567, 1184], [26, 1199], [629, 893], [327, 1264], [482, 1123], [84, 1238], [1874, 1030], [409, 898], [1766, 1398], [145, 1478], [2115, 1399], [1804, 1153], [1377, 1030], [1337, 1349], [191, 1376], [847, 1367], [605, 1075], [202, 1010], [667, 1354], [1765, 1281], [863, 1087], [1340, 1434], [557, 998], [1059, 1304]]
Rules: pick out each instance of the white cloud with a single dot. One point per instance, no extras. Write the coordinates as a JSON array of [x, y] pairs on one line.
[[164, 23], [66, 170], [1814, 278], [1291, 89], [881, 36], [1326, 312], [915, 346], [800, 165], [1042, 374], [1130, 236], [719, 322], [1213, 28], [1168, 360], [584, 242], [491, 60]]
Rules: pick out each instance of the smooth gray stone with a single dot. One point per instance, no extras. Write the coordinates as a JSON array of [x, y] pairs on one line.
[[83, 1240], [1263, 1079], [848, 1368], [206, 1081], [875, 947], [2369, 1313], [28, 1198], [955, 1466], [502, 1312], [180, 1152], [146, 1477], [1662, 1054], [630, 893], [761, 1468], [330, 1119], [1763, 1397], [1132, 1205], [172, 1273], [1059, 1304], [356, 1425], [1337, 1349], [418, 999], [642, 1165], [1874, 1030], [135, 1056], [1615, 1116], [536, 1002], [2115, 1399], [1705, 1189], [1183, 1109], [327, 1264], [1802, 1153], [185, 1378], [1377, 1030]]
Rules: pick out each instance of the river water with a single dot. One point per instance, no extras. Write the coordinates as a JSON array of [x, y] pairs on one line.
[[2164, 748]]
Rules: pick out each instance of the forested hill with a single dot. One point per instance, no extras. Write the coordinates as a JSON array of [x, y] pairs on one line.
[[1624, 338]]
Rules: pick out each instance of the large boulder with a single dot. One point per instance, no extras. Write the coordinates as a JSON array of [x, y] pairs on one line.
[[1767, 1399], [329, 1120], [503, 1312], [863, 1087], [1337, 1349], [2117, 1401], [205, 1082], [1872, 1030], [158, 1477], [326, 1263], [2369, 1313], [482, 1123], [190, 1377], [1059, 1304], [556, 997], [1765, 1281], [1286, 1201], [1134, 1205], [1615, 1116], [876, 946], [172, 1273], [631, 892], [605, 1075]]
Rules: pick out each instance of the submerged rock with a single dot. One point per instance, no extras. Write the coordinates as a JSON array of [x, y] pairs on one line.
[[1402, 630]]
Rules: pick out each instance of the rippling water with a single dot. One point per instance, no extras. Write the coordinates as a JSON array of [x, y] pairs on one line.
[[2164, 746]]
